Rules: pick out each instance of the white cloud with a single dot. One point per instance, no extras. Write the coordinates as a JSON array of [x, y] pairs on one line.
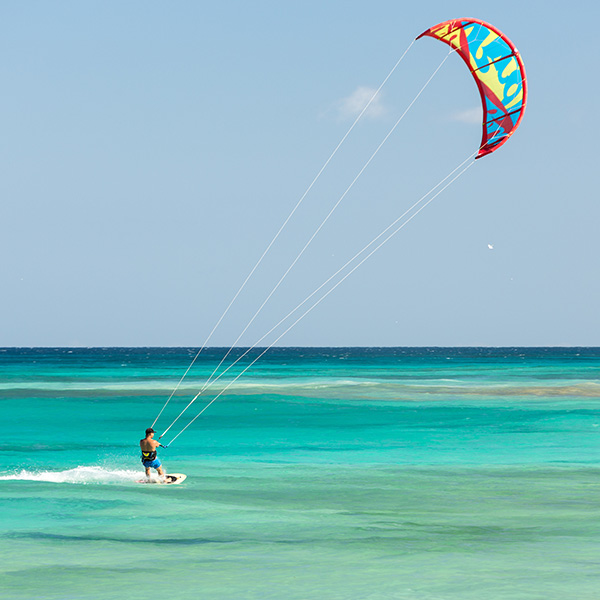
[[353, 105], [471, 115]]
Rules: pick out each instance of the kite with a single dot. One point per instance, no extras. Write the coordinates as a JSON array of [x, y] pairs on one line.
[[498, 70]]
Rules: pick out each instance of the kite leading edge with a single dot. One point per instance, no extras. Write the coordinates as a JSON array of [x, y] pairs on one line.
[[498, 70]]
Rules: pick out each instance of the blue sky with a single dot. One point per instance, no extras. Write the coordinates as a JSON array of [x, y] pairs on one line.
[[151, 150]]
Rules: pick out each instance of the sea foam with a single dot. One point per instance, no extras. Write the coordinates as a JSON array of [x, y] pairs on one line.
[[85, 475]]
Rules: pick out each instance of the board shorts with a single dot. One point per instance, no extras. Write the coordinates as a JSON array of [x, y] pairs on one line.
[[151, 464]]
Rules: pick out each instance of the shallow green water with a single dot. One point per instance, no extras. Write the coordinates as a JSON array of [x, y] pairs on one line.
[[350, 474]]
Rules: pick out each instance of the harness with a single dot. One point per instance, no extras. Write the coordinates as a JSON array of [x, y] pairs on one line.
[[148, 455]]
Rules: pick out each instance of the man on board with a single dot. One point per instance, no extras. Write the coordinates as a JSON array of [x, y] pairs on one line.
[[149, 458]]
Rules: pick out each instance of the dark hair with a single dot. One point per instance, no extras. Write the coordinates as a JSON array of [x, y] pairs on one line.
[[150, 430]]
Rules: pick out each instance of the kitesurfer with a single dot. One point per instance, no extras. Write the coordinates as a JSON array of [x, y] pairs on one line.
[[149, 458]]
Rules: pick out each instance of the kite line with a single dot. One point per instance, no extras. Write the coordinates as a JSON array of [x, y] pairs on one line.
[[327, 217], [276, 236], [313, 306], [315, 233]]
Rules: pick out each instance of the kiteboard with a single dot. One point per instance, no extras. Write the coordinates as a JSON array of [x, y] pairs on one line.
[[171, 479]]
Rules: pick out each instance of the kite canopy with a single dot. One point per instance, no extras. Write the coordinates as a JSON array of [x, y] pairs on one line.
[[498, 70]]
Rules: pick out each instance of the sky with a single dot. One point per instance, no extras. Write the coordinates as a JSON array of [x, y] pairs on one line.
[[150, 151]]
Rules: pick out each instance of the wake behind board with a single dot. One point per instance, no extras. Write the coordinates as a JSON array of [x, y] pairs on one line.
[[171, 479]]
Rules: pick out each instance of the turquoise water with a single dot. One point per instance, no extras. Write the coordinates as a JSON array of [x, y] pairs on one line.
[[322, 473]]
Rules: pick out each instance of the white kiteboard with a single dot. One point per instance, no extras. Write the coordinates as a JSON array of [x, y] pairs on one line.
[[171, 479]]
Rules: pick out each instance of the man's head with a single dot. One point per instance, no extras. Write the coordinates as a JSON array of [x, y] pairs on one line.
[[150, 432]]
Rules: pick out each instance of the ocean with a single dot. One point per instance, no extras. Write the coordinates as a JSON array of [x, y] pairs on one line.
[[322, 473]]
